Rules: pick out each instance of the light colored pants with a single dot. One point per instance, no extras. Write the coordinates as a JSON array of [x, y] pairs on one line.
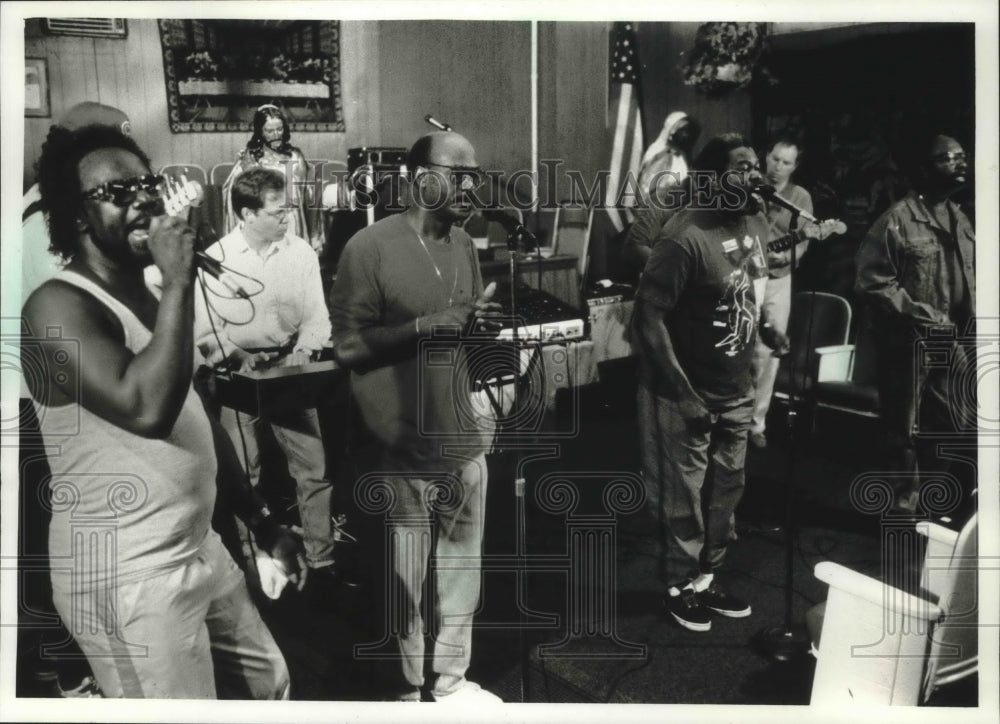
[[190, 632], [298, 435], [449, 506], [694, 481], [776, 308]]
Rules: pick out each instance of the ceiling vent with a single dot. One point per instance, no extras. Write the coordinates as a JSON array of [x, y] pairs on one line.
[[89, 27]]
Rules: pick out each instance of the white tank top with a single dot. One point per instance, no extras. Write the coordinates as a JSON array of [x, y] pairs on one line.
[[124, 507]]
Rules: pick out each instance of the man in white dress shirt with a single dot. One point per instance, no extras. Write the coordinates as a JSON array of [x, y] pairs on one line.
[[283, 321]]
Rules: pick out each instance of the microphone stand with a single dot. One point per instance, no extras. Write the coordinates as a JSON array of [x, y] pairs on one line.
[[518, 237], [789, 641]]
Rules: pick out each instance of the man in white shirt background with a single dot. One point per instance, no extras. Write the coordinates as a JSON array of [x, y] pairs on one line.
[[282, 320]]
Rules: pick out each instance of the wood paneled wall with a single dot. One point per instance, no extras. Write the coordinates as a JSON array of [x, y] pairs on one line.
[[474, 75], [660, 49], [572, 102], [573, 94], [128, 74]]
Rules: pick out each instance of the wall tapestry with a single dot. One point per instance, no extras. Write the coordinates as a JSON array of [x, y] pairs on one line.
[[219, 71]]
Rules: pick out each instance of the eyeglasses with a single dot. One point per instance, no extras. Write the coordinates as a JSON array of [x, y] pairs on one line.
[[951, 157], [123, 192], [467, 178], [279, 214]]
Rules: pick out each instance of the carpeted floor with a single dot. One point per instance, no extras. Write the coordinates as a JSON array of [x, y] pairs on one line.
[[571, 607], [576, 615]]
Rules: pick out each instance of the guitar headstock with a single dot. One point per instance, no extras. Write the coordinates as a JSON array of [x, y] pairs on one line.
[[822, 229], [180, 194]]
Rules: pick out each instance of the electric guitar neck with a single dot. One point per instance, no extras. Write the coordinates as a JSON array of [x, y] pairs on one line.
[[818, 231]]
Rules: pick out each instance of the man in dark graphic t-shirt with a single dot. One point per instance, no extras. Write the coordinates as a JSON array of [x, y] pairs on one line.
[[696, 322]]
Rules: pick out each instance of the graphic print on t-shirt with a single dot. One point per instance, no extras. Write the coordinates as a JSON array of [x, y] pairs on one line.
[[736, 311]]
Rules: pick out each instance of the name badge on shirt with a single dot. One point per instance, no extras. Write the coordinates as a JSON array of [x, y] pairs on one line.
[[729, 246]]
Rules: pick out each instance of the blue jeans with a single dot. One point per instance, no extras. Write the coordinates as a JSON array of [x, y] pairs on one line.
[[694, 480]]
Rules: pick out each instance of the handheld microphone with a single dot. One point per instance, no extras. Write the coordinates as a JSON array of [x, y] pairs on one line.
[[771, 194], [209, 265], [511, 224]]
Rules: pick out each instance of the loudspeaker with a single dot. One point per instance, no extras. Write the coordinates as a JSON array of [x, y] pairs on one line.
[[376, 191]]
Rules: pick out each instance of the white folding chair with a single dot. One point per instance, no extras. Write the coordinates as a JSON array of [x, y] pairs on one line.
[[878, 645]]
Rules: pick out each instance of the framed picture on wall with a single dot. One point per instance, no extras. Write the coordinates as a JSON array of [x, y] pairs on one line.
[[36, 88]]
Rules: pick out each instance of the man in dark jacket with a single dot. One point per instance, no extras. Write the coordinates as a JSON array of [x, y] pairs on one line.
[[916, 270]]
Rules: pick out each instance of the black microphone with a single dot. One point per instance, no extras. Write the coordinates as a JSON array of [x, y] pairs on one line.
[[212, 266], [771, 194], [209, 265], [512, 225]]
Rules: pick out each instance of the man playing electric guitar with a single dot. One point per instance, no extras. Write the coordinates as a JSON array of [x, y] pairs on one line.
[[782, 160]]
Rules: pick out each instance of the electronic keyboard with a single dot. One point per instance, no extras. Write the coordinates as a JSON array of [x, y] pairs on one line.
[[274, 390], [541, 317]]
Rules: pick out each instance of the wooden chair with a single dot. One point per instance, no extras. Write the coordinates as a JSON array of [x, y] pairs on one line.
[[878, 645]]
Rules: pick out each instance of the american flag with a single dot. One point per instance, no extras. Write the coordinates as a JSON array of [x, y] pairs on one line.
[[625, 117]]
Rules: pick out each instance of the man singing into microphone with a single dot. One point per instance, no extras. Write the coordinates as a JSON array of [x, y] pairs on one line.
[[695, 324], [284, 323], [138, 575], [399, 281], [916, 270]]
